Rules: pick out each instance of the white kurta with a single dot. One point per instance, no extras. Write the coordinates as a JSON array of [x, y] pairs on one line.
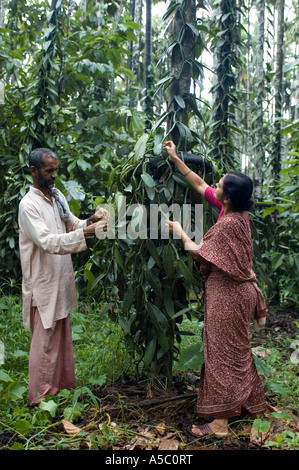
[[46, 243]]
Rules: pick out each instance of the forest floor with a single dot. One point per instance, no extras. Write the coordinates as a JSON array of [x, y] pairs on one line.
[[137, 414], [153, 417]]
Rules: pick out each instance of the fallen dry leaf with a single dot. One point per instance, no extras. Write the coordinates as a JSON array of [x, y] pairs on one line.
[[168, 444], [70, 428], [161, 428], [262, 352]]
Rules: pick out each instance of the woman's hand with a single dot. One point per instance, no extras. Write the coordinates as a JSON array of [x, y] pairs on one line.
[[170, 148], [174, 228]]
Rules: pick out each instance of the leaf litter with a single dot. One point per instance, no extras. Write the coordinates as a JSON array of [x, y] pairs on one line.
[[148, 416], [135, 413]]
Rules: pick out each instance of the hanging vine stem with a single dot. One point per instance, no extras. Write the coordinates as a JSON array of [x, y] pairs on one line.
[[226, 41], [187, 45], [70, 8]]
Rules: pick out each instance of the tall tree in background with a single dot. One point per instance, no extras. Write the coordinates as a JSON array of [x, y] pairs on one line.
[[147, 64], [135, 57], [183, 33], [2, 12], [225, 45], [48, 81], [277, 142], [258, 134]]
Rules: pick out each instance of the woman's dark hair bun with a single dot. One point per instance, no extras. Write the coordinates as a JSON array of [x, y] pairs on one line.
[[238, 187]]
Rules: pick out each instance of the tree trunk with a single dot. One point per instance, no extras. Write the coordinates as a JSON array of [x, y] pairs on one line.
[[147, 64], [2, 12], [228, 38], [260, 79], [134, 60], [277, 147], [182, 54]]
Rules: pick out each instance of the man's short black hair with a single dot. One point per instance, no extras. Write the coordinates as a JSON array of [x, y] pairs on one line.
[[37, 155]]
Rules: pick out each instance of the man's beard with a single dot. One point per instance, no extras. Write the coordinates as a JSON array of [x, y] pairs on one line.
[[43, 183]]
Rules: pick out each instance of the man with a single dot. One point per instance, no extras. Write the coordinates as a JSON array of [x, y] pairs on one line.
[[49, 233]]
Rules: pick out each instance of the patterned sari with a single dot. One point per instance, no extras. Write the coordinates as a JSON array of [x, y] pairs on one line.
[[229, 381]]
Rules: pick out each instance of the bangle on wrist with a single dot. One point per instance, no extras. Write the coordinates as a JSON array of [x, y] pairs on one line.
[[187, 173], [185, 239]]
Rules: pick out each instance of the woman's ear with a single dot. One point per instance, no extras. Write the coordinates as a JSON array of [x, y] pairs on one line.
[[226, 201]]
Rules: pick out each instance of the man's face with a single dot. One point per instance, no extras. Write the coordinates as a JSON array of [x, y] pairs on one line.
[[47, 174]]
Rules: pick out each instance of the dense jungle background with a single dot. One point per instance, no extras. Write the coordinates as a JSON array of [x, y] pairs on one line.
[[104, 84]]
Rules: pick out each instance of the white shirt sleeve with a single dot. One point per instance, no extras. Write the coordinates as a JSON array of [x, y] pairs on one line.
[[38, 231]]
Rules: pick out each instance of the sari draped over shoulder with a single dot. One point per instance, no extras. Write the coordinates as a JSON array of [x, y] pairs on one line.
[[228, 245], [229, 381]]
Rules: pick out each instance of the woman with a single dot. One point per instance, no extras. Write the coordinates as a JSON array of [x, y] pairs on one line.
[[198, 184], [229, 381]]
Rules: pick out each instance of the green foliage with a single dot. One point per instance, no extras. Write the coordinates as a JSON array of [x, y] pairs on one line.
[[65, 81], [227, 43], [191, 358], [145, 278], [284, 211], [100, 356], [286, 440], [58, 94], [187, 45]]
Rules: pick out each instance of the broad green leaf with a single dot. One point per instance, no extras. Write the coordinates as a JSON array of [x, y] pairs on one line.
[[155, 283], [4, 377], [132, 25], [184, 131], [181, 312], [153, 251], [191, 358], [260, 365], [193, 29], [261, 425], [150, 352], [128, 299], [181, 180], [156, 314], [180, 101], [23, 426], [276, 388], [49, 406], [158, 319], [187, 273], [282, 415], [17, 446], [168, 261], [140, 146], [269, 210], [17, 391], [278, 259], [151, 192], [168, 301], [148, 180], [118, 257]]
